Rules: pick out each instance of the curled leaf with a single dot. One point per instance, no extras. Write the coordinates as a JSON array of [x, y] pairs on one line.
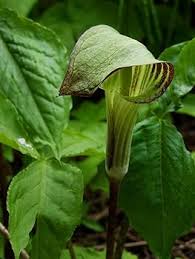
[[102, 53]]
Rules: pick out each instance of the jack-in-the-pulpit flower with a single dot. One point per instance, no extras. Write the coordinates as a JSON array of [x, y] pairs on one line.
[[130, 76]]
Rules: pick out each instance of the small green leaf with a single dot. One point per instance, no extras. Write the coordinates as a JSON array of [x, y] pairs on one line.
[[32, 63], [8, 153], [132, 71], [90, 253], [96, 112], [89, 166], [100, 181], [86, 135], [81, 140], [188, 105], [158, 191], [92, 225], [47, 196], [171, 54], [21, 7], [183, 57]]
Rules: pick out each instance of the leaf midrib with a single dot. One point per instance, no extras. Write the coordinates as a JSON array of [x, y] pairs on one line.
[[33, 98]]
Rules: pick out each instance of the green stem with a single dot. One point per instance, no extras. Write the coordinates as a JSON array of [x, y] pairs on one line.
[[71, 250], [4, 176], [4, 232], [114, 191], [121, 117]]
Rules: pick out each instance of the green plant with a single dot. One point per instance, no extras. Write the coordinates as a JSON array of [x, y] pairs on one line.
[[128, 73], [61, 145]]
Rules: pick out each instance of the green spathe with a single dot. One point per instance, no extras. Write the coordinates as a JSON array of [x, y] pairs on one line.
[[101, 51], [128, 72]]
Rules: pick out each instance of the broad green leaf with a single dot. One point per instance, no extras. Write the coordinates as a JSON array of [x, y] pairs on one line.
[[32, 64], [47, 196], [22, 7], [188, 105], [158, 192], [90, 253], [100, 52]]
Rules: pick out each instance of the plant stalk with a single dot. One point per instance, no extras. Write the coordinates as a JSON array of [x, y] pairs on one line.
[[5, 234], [114, 191], [71, 250], [124, 226], [4, 176]]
